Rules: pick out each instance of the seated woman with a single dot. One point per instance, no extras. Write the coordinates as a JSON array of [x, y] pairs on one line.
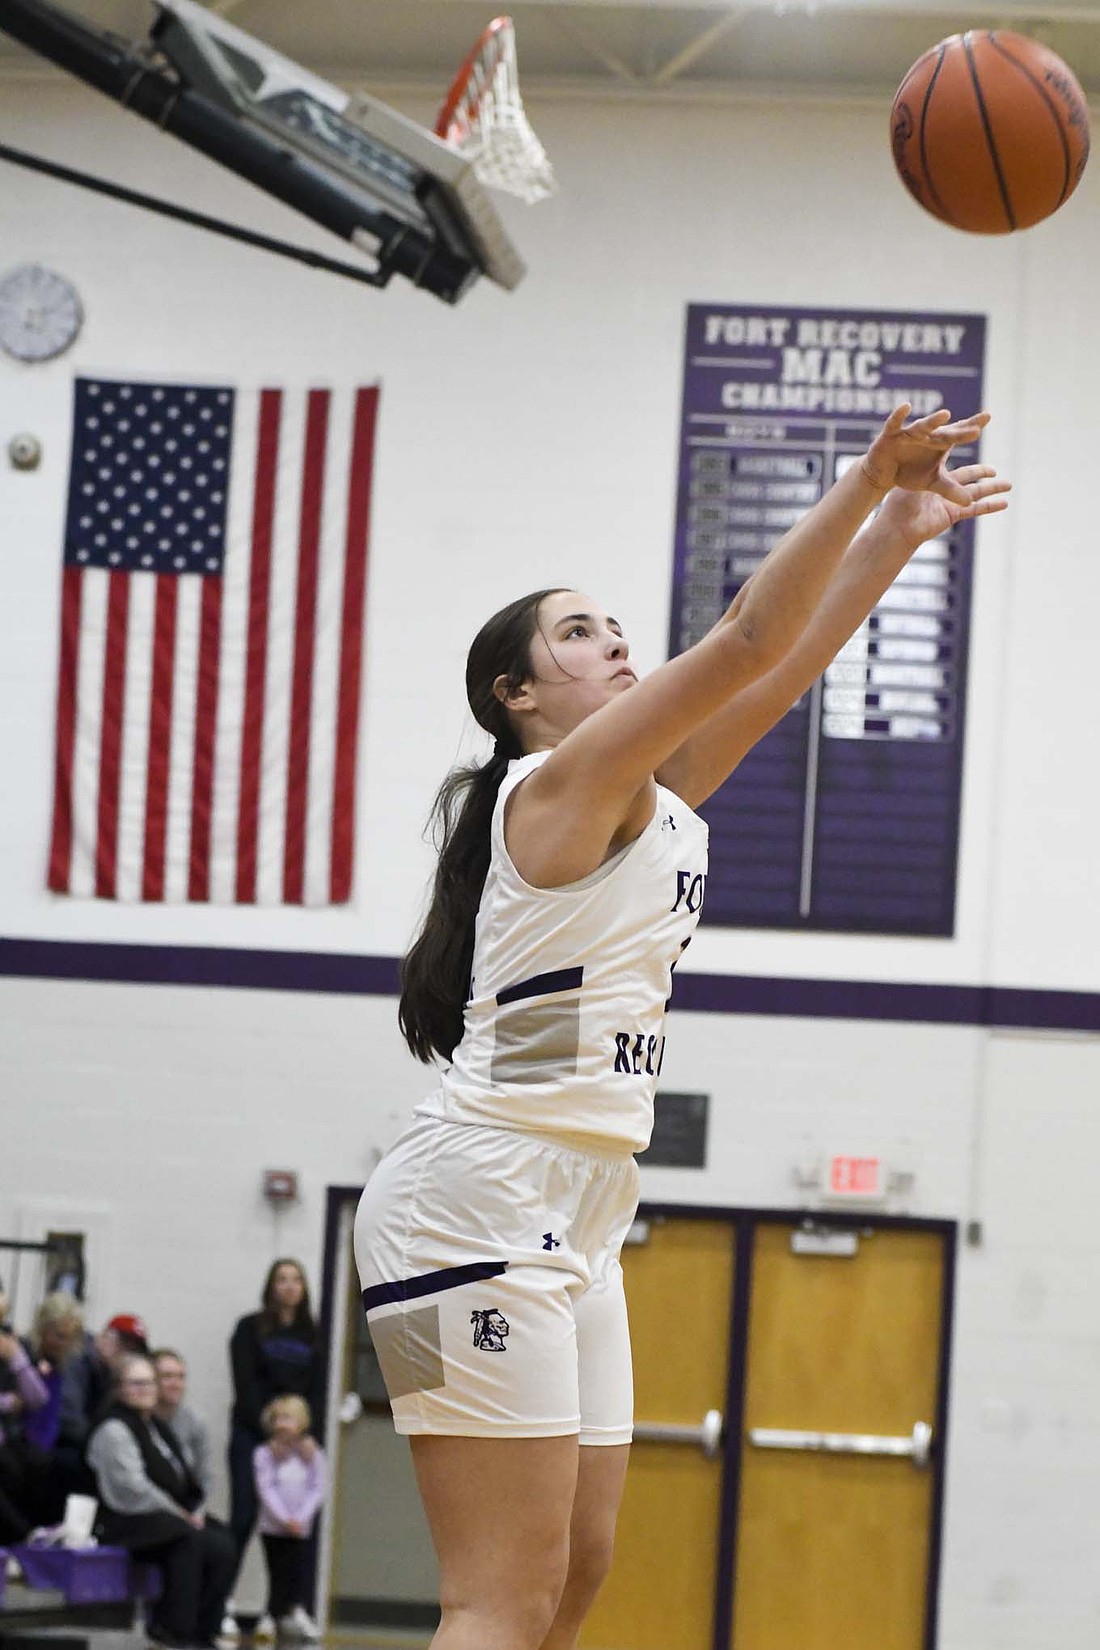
[[152, 1505]]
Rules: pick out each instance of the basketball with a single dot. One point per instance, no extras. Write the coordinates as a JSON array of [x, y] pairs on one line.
[[990, 131]]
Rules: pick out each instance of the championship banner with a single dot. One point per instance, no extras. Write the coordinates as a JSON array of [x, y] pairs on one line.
[[846, 815]]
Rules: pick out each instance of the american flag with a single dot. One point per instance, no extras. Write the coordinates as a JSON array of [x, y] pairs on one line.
[[211, 643]]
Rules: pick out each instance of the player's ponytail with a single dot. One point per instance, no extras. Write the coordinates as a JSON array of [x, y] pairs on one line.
[[435, 975]]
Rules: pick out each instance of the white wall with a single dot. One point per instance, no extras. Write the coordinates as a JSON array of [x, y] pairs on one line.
[[527, 439]]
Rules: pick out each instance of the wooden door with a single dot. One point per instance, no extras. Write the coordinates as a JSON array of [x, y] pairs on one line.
[[832, 1548], [660, 1593]]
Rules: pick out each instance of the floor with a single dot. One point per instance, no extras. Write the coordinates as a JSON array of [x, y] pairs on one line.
[[19, 1598]]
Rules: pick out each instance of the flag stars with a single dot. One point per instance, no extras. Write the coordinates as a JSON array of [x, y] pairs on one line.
[[152, 468]]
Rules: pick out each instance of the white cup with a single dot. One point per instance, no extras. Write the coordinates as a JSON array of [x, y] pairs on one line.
[[79, 1521]]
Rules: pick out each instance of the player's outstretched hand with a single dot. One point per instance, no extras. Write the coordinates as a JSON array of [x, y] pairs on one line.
[[978, 491], [914, 455]]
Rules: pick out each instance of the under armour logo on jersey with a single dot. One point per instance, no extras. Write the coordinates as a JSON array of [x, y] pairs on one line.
[[490, 1328], [549, 1241], [669, 821]]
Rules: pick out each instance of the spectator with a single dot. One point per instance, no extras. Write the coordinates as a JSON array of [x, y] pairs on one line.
[[272, 1352], [22, 1392], [151, 1504], [88, 1383], [189, 1428], [291, 1474], [55, 1334]]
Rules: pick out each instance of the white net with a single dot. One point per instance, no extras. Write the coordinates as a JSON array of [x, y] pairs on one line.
[[484, 117]]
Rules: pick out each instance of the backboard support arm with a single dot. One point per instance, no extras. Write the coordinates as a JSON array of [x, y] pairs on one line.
[[197, 220]]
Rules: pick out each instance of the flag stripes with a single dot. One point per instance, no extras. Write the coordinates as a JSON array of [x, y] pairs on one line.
[[209, 687]]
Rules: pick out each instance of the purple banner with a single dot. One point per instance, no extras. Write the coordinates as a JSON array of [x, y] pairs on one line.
[[846, 815]]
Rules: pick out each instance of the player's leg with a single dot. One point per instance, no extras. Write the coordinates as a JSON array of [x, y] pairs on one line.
[[605, 1393], [499, 1511], [601, 1475]]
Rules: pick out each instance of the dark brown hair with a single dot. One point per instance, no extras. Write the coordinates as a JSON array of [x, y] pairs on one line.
[[435, 974], [303, 1313]]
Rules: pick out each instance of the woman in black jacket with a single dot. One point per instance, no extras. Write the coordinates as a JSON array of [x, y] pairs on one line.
[[272, 1352]]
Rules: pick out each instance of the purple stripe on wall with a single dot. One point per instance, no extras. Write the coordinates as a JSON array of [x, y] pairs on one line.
[[346, 975], [337, 975]]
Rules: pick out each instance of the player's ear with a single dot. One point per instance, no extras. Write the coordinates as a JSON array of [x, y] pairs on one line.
[[512, 694]]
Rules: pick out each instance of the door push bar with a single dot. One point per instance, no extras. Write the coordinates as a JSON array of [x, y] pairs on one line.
[[918, 1447], [708, 1435]]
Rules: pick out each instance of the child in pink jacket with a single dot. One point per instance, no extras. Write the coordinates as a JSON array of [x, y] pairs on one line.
[[291, 1479]]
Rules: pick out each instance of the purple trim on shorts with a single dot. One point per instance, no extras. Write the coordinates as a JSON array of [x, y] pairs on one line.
[[431, 1283], [345, 974]]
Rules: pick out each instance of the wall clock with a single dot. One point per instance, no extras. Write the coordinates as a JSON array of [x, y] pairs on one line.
[[40, 313]]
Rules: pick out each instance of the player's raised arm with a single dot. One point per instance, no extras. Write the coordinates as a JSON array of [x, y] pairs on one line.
[[869, 566], [568, 813]]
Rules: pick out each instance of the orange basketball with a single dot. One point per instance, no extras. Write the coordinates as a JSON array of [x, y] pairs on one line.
[[990, 131]]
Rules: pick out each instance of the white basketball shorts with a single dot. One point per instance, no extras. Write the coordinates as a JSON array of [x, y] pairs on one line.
[[489, 1263]]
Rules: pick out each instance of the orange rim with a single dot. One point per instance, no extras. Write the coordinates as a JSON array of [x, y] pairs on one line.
[[485, 55]]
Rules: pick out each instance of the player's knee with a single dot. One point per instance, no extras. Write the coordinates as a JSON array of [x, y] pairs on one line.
[[519, 1615], [590, 1562]]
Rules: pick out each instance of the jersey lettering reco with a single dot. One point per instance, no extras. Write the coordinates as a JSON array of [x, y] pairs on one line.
[[564, 1029]]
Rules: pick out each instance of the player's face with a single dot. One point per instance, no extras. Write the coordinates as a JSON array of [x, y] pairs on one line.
[[579, 659]]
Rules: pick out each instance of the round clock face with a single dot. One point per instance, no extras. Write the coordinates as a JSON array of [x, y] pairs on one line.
[[40, 313]]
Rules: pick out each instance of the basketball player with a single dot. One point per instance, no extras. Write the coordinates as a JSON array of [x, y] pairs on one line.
[[571, 875]]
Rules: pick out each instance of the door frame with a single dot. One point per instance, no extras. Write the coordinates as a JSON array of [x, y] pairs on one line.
[[744, 1221]]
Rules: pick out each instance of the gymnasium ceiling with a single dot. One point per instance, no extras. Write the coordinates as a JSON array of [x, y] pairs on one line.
[[637, 48]]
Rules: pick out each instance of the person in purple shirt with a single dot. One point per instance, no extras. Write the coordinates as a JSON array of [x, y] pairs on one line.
[[291, 1476], [22, 1393], [55, 1335]]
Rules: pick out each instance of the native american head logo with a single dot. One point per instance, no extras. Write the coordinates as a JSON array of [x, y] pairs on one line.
[[490, 1328]]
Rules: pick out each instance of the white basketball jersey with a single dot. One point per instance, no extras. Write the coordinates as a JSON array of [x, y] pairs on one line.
[[564, 1029]]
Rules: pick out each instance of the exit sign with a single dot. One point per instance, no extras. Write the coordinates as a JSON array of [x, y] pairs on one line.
[[856, 1180]]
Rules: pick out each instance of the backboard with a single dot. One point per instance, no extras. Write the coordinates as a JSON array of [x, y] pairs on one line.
[[391, 187]]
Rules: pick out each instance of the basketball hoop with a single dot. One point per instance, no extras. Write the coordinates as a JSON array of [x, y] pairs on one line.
[[483, 115]]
